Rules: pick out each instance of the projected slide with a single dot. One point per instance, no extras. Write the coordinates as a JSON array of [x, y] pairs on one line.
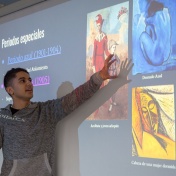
[[129, 133], [107, 33]]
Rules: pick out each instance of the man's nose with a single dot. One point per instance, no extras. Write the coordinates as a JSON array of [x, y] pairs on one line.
[[29, 82]]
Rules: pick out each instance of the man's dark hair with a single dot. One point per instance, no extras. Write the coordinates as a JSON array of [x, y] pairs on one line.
[[12, 74]]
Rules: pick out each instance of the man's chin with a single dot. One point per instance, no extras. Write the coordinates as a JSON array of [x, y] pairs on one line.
[[30, 97]]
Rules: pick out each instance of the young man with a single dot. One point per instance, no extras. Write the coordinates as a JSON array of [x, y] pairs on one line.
[[27, 129]]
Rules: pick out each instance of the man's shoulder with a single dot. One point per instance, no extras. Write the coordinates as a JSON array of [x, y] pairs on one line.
[[7, 107]]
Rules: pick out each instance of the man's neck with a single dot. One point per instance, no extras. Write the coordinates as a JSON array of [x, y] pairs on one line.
[[20, 104]]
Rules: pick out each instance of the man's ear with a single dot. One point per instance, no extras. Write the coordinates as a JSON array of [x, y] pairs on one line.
[[10, 90]]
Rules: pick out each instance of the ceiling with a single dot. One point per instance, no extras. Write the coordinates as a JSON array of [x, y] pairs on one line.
[[7, 2], [11, 6]]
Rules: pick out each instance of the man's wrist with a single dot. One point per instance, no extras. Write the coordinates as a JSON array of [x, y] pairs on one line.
[[102, 75], [97, 78]]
